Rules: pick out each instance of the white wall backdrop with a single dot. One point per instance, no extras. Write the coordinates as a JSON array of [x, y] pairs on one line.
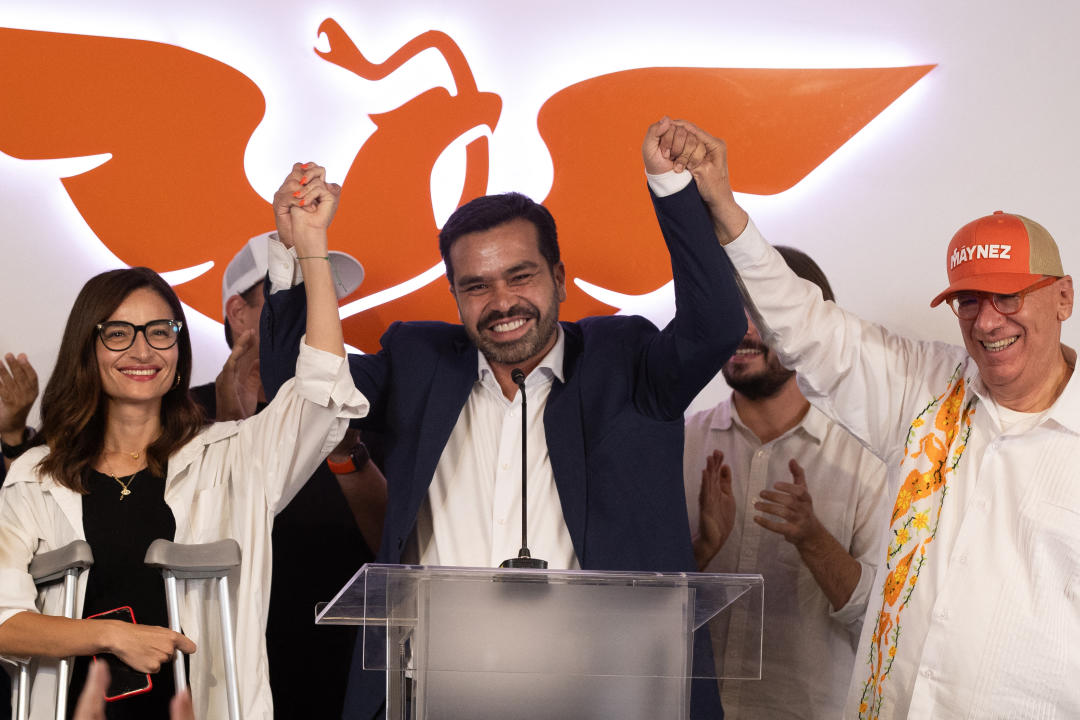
[[991, 127]]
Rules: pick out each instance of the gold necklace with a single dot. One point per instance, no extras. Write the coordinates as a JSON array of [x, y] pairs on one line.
[[133, 455], [124, 487]]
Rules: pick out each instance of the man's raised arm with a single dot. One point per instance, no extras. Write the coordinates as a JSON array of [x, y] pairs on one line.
[[709, 322]]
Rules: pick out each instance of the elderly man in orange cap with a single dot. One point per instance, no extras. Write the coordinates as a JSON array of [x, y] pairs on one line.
[[977, 606]]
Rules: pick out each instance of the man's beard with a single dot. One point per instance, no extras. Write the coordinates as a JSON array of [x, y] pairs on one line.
[[525, 347], [761, 384]]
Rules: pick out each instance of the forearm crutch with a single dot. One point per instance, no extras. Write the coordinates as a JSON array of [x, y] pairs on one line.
[[195, 562], [61, 564]]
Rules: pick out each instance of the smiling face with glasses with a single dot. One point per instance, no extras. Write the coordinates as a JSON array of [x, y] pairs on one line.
[[136, 349], [966, 304], [1015, 339], [118, 335]]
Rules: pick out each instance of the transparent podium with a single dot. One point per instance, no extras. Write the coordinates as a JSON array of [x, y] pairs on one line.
[[480, 643]]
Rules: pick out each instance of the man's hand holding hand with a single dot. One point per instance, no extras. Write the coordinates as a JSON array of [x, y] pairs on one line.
[[670, 146]]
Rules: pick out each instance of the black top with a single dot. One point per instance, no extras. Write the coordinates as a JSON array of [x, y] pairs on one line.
[[119, 529]]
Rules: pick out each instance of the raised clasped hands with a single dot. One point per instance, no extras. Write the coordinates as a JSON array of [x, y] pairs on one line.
[[788, 510], [304, 205], [680, 145]]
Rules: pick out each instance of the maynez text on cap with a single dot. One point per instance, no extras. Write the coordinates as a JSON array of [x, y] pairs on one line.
[[1000, 253]]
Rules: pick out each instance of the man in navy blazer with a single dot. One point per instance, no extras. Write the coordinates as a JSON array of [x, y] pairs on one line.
[[613, 418]]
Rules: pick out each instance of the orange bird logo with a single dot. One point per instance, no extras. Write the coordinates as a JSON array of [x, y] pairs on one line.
[[159, 109]]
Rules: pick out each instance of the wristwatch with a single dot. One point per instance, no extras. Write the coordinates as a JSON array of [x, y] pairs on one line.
[[358, 460], [13, 451]]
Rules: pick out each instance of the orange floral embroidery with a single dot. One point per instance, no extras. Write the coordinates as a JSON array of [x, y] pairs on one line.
[[928, 465], [896, 580], [949, 413]]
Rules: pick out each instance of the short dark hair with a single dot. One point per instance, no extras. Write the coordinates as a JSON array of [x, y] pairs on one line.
[[490, 211], [247, 296], [804, 266]]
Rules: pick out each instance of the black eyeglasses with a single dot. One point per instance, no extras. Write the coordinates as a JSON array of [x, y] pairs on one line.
[[119, 335], [966, 304]]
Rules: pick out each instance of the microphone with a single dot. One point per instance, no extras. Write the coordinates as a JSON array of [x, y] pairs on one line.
[[524, 559]]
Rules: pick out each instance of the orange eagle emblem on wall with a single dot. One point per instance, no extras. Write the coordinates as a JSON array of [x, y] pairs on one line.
[[161, 111]]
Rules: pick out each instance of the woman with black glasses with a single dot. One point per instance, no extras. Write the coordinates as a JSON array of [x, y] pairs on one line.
[[127, 458]]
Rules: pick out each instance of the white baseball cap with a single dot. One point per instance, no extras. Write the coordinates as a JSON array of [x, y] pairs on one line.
[[248, 267]]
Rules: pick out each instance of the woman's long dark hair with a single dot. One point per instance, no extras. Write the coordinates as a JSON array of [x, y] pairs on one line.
[[74, 407]]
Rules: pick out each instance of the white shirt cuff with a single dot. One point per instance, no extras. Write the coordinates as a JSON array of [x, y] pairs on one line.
[[282, 266], [668, 183]]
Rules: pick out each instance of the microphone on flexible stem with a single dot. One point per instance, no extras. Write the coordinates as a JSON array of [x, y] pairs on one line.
[[524, 559]]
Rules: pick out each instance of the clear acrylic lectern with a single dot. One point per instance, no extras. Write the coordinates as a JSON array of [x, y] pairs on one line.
[[480, 644]]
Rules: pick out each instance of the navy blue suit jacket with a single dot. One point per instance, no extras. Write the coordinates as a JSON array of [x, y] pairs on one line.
[[614, 428]]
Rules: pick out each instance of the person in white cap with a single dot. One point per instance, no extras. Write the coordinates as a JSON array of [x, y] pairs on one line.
[[977, 606], [238, 389]]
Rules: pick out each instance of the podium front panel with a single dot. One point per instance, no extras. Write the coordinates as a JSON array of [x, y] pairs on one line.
[[483, 643]]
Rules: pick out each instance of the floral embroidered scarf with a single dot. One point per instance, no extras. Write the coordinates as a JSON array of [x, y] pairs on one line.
[[931, 454]]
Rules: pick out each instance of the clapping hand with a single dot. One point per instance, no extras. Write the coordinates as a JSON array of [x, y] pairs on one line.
[[716, 507], [789, 510], [238, 384], [18, 391]]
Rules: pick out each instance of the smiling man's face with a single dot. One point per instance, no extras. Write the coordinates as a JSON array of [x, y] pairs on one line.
[[754, 371], [507, 295], [1017, 354]]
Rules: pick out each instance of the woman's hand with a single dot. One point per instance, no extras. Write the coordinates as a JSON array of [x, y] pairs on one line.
[[309, 204], [304, 206], [144, 647]]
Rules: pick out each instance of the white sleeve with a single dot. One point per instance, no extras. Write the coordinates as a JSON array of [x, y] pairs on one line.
[[867, 542], [869, 380], [668, 183], [304, 422], [18, 542], [282, 266]]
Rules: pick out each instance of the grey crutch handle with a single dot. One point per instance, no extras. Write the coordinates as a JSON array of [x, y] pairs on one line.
[[65, 564], [51, 566], [194, 561], [197, 562]]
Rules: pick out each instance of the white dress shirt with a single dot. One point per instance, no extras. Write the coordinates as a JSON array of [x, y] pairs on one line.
[[993, 625], [472, 513], [471, 516], [808, 649]]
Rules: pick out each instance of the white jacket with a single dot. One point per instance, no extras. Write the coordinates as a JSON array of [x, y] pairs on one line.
[[228, 482]]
